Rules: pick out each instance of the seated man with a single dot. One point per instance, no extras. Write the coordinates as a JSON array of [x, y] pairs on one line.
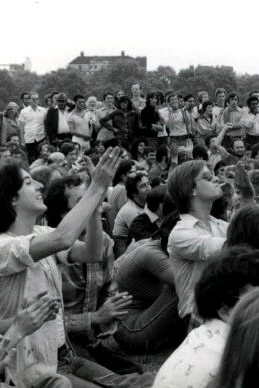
[[30, 264], [146, 272], [137, 188], [147, 223], [195, 362], [91, 299]]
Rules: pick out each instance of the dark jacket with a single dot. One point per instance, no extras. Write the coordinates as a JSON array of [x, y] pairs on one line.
[[51, 124]]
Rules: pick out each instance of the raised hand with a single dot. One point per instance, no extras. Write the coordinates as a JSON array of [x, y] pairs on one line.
[[104, 172]]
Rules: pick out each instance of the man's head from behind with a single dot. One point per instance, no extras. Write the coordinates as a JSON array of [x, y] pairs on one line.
[[224, 280], [62, 195]]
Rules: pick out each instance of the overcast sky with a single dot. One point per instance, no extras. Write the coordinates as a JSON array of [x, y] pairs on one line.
[[169, 32]]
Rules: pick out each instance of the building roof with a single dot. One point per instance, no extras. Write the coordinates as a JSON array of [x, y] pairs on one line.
[[83, 60]]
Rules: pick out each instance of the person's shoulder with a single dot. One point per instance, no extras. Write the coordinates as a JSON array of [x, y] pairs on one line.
[[41, 229]]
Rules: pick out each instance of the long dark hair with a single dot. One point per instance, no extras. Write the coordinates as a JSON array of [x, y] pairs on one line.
[[11, 182], [243, 228]]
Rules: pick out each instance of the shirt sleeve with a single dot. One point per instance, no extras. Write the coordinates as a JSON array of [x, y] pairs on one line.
[[15, 256], [191, 245]]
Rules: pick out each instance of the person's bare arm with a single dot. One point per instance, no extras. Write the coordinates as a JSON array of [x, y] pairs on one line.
[[91, 250], [73, 224]]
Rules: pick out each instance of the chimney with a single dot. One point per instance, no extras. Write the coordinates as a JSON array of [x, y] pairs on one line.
[[82, 54], [123, 53]]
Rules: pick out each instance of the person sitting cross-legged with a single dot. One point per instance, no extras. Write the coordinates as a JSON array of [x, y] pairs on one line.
[[91, 299]]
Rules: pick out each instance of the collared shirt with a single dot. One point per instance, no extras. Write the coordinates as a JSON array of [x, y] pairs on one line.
[[125, 217], [190, 245], [234, 116], [62, 121], [195, 362], [252, 124], [85, 289], [33, 122], [22, 278]]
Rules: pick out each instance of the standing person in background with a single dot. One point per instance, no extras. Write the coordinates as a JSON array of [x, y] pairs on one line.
[[190, 113], [124, 122], [151, 119], [56, 121], [181, 102], [251, 122], [109, 107], [137, 101], [10, 125], [206, 124], [25, 98], [79, 123], [31, 122], [175, 122], [118, 94], [91, 114], [202, 97], [235, 115], [219, 106]]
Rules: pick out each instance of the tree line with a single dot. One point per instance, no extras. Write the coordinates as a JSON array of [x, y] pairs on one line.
[[121, 75]]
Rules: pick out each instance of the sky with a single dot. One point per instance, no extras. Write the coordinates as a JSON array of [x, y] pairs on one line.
[[170, 33]]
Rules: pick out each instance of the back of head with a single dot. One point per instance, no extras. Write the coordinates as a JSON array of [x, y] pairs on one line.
[[42, 174], [181, 183], [10, 183], [199, 152], [67, 148], [156, 197], [240, 361], [56, 200], [123, 168], [55, 157], [224, 279], [243, 228]]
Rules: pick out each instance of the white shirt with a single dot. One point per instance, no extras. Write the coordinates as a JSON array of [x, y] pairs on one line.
[[190, 245], [196, 361], [125, 217], [252, 124], [33, 122], [81, 125], [62, 121], [175, 122]]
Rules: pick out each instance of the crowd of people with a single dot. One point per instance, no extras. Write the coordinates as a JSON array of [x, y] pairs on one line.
[[132, 220]]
